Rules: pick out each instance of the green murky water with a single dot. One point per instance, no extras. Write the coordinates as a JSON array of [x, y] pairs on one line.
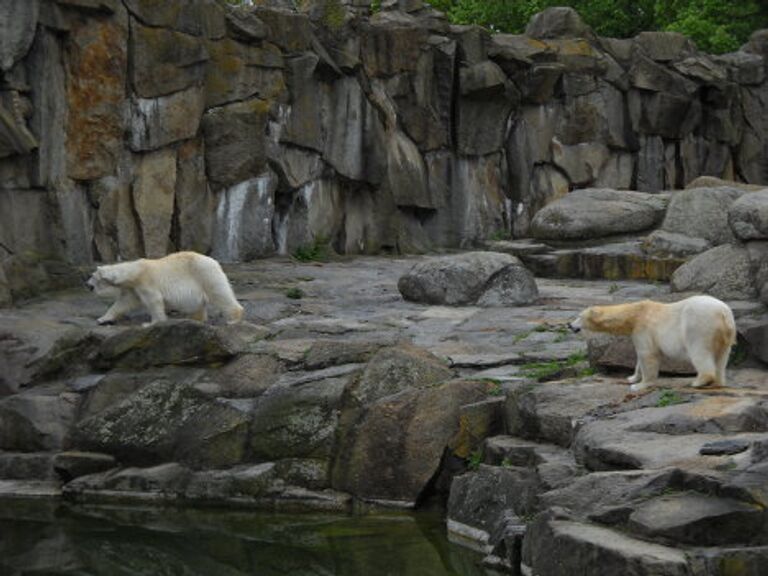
[[43, 539]]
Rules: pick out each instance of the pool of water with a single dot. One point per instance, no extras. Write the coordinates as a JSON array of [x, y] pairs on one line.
[[48, 538]]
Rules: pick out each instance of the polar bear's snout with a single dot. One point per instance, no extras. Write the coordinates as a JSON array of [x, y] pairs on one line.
[[575, 325]]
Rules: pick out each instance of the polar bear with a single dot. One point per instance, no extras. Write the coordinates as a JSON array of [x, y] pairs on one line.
[[700, 329], [184, 281]]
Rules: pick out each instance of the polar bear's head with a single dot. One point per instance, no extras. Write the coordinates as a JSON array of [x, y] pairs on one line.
[[586, 320], [106, 280]]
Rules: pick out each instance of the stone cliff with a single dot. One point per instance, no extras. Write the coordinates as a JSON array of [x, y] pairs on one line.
[[136, 127]]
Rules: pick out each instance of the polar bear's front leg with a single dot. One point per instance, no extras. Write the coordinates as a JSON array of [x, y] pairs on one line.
[[153, 302], [637, 376], [126, 302], [647, 360]]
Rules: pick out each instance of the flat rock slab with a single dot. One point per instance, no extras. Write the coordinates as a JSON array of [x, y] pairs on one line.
[[563, 548], [598, 212], [698, 519]]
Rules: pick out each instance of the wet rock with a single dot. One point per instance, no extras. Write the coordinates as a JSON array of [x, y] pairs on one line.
[[298, 421], [397, 443], [665, 243], [153, 197], [19, 18], [485, 278], [38, 419], [167, 421], [481, 502], [724, 272], [395, 369], [697, 519], [238, 71], [156, 122], [724, 447], [556, 547], [174, 342], [593, 213], [30, 466], [164, 61], [558, 22], [234, 141], [552, 411], [71, 464]]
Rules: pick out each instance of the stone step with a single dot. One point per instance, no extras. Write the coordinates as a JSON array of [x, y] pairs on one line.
[[621, 260], [555, 547]]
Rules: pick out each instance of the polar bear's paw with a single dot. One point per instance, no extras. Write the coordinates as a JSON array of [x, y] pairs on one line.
[[634, 379], [638, 387]]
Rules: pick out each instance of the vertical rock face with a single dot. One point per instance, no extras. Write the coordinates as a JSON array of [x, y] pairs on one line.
[[391, 130]]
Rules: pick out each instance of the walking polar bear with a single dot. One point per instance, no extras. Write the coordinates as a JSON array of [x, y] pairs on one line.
[[700, 329], [185, 281]]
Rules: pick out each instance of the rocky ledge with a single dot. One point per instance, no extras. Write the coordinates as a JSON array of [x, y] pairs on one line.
[[336, 392]]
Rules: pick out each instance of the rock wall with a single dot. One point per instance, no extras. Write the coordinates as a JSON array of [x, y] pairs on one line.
[[136, 127]]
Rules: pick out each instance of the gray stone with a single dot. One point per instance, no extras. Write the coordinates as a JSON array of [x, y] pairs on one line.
[[594, 212], [665, 243], [243, 228], [153, 192], [72, 464], [164, 61], [727, 447], [234, 142], [157, 122], [724, 272], [702, 213], [581, 162], [167, 421], [397, 444], [395, 369], [558, 547], [465, 278], [481, 502], [165, 343], [299, 421], [743, 67], [194, 200], [665, 46], [37, 419], [17, 31], [558, 22], [697, 519], [238, 71], [757, 341], [748, 216], [551, 412], [200, 18]]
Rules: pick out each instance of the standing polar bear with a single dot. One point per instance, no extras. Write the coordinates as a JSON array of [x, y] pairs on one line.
[[184, 281], [700, 329]]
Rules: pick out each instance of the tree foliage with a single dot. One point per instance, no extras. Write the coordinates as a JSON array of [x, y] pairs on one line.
[[715, 25]]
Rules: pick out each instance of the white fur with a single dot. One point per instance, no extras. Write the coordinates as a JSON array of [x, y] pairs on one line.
[[700, 329], [184, 281]]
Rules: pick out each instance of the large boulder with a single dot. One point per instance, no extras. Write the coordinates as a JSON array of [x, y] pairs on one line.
[[702, 213], [397, 444], [598, 212], [724, 272], [748, 216], [168, 420], [484, 278]]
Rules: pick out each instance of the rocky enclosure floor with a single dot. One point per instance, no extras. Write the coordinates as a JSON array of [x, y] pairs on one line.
[[674, 481]]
